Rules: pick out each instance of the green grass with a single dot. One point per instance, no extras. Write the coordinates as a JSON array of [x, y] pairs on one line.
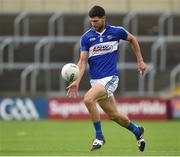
[[68, 138]]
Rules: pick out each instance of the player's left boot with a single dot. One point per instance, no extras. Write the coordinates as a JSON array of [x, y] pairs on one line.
[[98, 143], [141, 142]]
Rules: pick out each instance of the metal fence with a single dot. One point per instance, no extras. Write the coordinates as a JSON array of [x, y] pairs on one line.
[[55, 34]]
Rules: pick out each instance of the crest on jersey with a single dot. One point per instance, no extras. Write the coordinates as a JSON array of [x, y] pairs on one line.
[[101, 39], [109, 37]]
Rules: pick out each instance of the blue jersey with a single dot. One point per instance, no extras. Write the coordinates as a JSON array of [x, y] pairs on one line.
[[103, 50]]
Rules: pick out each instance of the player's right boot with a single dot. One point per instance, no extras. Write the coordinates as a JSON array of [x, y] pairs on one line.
[[141, 142], [98, 143]]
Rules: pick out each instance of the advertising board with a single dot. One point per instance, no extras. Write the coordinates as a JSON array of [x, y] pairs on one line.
[[23, 108], [174, 104], [135, 108]]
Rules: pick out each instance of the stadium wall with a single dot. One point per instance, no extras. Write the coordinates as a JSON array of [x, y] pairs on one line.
[[17, 108], [84, 5]]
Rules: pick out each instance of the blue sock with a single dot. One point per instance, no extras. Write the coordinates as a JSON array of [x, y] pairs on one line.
[[134, 129], [97, 126]]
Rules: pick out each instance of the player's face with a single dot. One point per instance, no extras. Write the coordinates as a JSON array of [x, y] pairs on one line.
[[98, 23]]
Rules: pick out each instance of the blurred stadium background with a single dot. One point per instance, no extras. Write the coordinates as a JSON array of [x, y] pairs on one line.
[[37, 37]]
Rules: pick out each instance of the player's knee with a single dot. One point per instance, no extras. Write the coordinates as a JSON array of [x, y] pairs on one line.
[[88, 100]]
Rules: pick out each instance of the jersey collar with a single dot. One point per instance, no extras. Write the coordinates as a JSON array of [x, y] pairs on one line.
[[105, 28]]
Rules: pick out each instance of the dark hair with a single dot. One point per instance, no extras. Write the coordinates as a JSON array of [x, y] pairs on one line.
[[97, 11]]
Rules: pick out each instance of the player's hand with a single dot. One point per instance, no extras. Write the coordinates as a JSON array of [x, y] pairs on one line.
[[141, 67], [73, 90]]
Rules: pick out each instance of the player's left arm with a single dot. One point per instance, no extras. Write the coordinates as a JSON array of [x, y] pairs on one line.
[[136, 49]]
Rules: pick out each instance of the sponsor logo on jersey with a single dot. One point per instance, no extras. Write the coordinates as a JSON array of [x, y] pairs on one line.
[[18, 109], [103, 48]]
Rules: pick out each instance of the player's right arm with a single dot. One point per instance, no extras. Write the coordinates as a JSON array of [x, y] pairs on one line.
[[82, 63], [74, 86]]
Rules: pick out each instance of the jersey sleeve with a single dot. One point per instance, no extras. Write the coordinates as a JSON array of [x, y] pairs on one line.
[[83, 44], [122, 33]]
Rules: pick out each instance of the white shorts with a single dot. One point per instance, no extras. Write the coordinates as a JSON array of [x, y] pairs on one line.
[[110, 83]]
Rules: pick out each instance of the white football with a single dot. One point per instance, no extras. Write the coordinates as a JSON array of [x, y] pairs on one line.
[[70, 72]]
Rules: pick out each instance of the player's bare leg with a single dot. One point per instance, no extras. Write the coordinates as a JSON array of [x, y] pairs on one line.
[[97, 91], [108, 104]]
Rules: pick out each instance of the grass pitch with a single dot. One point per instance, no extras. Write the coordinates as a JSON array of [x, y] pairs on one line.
[[74, 138]]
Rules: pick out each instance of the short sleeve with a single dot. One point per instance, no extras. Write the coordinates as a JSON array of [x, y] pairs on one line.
[[122, 33], [83, 44]]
